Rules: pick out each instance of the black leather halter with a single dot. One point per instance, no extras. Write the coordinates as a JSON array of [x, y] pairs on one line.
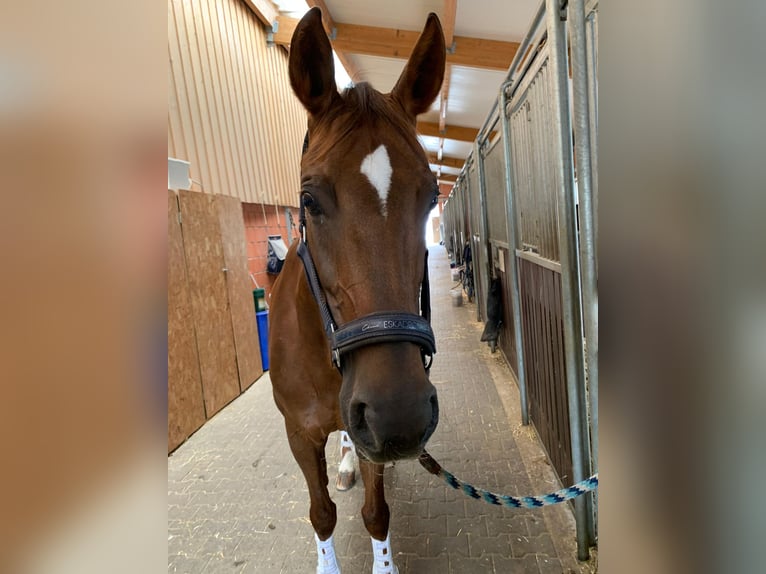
[[375, 328]]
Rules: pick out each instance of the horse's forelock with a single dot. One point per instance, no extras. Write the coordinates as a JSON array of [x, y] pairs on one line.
[[361, 108]]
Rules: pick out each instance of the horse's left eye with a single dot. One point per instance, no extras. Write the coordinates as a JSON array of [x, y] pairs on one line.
[[310, 204], [435, 199]]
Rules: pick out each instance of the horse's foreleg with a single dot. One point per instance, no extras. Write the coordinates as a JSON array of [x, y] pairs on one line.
[[376, 517], [310, 457]]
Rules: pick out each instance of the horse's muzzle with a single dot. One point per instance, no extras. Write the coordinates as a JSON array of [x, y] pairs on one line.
[[393, 431]]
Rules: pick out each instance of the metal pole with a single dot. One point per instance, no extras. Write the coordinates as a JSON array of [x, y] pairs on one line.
[[581, 117], [486, 250], [570, 295], [468, 196], [591, 51], [510, 205]]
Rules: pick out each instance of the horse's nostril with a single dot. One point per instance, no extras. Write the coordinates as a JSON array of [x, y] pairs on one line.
[[358, 420]]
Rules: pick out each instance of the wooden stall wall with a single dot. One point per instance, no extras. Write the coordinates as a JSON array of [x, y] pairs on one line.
[[544, 362], [212, 320], [213, 351], [186, 408], [497, 227], [232, 114], [239, 290]]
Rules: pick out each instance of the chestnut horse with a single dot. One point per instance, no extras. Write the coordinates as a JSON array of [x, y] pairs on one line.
[[347, 344]]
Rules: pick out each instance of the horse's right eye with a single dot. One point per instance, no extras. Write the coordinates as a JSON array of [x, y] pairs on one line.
[[310, 204]]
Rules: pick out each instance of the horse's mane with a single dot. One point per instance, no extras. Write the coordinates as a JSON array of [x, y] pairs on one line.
[[361, 108]]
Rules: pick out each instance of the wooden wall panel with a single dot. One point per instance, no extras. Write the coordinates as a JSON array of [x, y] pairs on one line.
[[544, 362], [240, 290], [232, 113], [212, 319], [186, 408]]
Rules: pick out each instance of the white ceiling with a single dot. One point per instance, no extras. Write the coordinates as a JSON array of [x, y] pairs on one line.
[[471, 94], [495, 19], [472, 91]]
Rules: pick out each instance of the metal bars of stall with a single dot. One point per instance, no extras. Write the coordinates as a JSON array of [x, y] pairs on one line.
[[513, 245], [539, 183], [582, 122], [482, 271], [568, 253]]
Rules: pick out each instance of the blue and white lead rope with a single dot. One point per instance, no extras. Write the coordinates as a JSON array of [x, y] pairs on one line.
[[587, 485]]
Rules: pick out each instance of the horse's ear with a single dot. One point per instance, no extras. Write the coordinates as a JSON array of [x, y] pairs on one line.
[[421, 80], [312, 70]]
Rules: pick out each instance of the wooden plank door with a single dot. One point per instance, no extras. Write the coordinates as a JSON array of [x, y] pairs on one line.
[[205, 265], [186, 407], [239, 290]]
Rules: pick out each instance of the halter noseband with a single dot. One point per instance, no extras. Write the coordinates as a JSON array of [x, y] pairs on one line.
[[380, 327]]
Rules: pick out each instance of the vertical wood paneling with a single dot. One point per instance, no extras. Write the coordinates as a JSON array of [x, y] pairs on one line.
[[185, 135], [212, 86], [223, 76], [195, 94], [544, 362], [232, 113], [240, 99], [175, 146], [251, 109], [266, 140]]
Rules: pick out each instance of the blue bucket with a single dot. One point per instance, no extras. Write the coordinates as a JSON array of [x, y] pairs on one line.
[[263, 336]]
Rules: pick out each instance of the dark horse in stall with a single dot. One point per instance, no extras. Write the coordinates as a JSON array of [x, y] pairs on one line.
[[366, 191]]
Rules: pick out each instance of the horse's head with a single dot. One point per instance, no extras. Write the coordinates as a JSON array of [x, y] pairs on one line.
[[367, 190]]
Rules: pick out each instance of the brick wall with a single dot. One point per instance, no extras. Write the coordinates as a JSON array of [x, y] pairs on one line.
[[260, 222]]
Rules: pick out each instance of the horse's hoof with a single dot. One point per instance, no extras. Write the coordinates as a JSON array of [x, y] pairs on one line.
[[345, 480]]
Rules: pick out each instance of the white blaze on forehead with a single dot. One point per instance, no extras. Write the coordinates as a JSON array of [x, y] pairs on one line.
[[377, 167]]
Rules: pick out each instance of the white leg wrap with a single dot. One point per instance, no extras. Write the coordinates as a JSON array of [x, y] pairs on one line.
[[345, 441], [381, 552], [327, 563]]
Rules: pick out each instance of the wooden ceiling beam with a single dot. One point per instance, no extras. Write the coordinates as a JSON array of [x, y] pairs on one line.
[[446, 161], [393, 43], [446, 177], [444, 97], [458, 133], [265, 10], [448, 21], [448, 27]]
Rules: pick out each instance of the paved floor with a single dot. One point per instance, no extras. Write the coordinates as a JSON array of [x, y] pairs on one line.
[[238, 502]]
